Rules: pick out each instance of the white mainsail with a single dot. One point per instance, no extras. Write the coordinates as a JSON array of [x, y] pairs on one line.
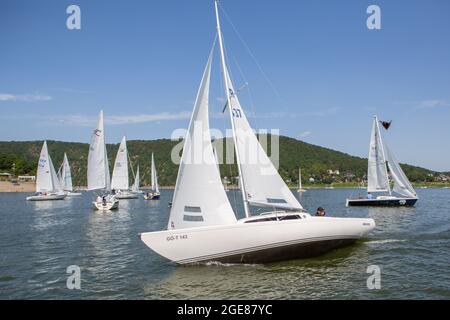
[[137, 181], [199, 198], [155, 186], [377, 176], [402, 185], [98, 166], [66, 176], [120, 173], [47, 179], [263, 183]]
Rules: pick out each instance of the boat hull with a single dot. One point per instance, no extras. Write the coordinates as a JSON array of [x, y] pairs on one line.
[[390, 202], [257, 242], [47, 198], [129, 195], [108, 205], [73, 194]]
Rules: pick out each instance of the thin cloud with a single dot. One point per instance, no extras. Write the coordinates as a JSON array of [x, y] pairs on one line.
[[89, 121], [304, 134], [431, 104], [24, 97]]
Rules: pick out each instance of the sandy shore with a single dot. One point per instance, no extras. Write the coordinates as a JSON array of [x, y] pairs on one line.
[[6, 186]]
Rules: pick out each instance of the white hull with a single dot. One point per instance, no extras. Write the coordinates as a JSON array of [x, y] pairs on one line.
[[47, 197], [257, 242], [73, 194], [108, 205], [301, 190], [126, 195]]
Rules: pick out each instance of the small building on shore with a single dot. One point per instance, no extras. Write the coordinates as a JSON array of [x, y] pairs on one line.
[[5, 176], [26, 178]]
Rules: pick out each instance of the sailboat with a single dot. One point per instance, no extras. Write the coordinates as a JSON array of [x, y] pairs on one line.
[[65, 178], [379, 160], [155, 194], [136, 188], [300, 189], [120, 180], [202, 226], [98, 169], [48, 186]]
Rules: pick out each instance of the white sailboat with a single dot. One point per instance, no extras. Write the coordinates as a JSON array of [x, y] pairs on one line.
[[202, 226], [300, 188], [155, 194], [65, 178], [136, 188], [379, 160], [120, 180], [98, 176], [48, 186]]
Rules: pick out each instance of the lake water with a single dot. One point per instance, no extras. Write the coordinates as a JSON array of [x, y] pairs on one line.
[[39, 240]]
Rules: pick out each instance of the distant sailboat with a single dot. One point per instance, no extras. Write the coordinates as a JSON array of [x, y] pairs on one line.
[[98, 176], [300, 188], [155, 194], [202, 222], [120, 179], [379, 160], [137, 182], [65, 178], [48, 186]]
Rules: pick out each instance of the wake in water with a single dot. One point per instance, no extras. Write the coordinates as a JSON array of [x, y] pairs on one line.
[[385, 241]]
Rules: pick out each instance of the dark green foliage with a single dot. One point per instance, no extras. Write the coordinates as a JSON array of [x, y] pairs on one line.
[[314, 160]]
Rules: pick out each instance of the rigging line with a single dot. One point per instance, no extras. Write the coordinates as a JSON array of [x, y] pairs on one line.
[[252, 56]]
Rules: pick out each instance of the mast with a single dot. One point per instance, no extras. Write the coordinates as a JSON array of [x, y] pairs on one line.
[[227, 93], [384, 156]]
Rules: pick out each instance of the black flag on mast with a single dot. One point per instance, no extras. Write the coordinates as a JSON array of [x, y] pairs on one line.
[[386, 124]]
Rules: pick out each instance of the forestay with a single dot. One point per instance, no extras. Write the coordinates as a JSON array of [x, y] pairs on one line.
[[199, 197], [377, 172], [120, 173]]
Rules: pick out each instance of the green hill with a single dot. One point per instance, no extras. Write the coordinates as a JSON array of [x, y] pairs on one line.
[[314, 160]]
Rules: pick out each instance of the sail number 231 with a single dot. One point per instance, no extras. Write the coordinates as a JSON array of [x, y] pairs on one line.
[[236, 113]]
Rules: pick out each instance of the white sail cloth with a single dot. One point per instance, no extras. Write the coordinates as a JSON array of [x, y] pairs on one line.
[[155, 185], [377, 176], [98, 167], [47, 179], [137, 181], [263, 184], [402, 185], [66, 176], [199, 197], [120, 178]]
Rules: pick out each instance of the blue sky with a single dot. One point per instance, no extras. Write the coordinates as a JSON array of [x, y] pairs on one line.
[[320, 73]]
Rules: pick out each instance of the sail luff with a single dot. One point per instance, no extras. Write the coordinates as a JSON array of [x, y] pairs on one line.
[[227, 94]]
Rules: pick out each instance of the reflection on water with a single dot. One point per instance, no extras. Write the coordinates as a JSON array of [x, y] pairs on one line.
[[39, 240]]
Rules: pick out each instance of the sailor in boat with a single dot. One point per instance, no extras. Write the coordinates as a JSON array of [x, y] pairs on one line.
[[369, 195], [320, 212]]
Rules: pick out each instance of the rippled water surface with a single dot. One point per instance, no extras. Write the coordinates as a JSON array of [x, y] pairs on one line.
[[39, 240]]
